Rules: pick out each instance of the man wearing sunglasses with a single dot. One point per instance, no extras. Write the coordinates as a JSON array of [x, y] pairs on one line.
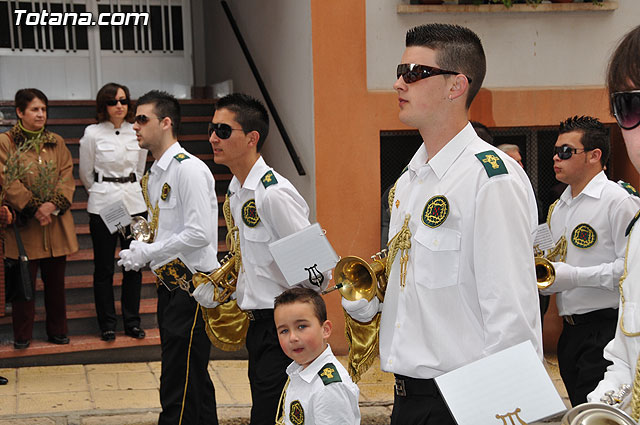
[[623, 83], [179, 191], [589, 219], [461, 279], [261, 207]]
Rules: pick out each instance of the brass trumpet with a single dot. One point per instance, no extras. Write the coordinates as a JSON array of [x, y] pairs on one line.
[[141, 229], [545, 272], [224, 279], [598, 413], [357, 279]]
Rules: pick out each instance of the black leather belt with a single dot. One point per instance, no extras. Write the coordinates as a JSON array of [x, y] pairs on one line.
[[129, 179], [592, 316], [406, 386], [255, 315]]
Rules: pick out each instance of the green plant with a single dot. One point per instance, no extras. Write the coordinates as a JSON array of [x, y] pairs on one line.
[[509, 3], [14, 168]]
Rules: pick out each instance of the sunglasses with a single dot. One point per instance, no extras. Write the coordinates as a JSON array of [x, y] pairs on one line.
[[565, 151], [223, 131], [143, 119], [626, 108], [412, 72], [114, 102]]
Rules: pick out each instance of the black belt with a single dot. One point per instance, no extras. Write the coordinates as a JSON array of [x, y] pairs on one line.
[[129, 179], [255, 315], [592, 316], [406, 386]]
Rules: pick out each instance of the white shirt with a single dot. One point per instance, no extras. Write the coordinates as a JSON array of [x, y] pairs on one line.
[[112, 152], [470, 285], [188, 217], [282, 211], [319, 404], [606, 208], [624, 350]]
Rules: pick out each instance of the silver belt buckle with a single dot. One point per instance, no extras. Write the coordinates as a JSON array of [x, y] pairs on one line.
[[569, 319], [399, 388], [250, 315]]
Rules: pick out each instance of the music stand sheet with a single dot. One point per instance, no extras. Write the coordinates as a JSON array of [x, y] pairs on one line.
[[499, 384], [306, 248]]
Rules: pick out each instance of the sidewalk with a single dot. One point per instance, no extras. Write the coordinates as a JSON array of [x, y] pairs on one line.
[[127, 394]]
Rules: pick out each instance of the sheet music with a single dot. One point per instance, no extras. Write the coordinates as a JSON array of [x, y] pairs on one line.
[[543, 239], [115, 215], [175, 273], [306, 248], [511, 379]]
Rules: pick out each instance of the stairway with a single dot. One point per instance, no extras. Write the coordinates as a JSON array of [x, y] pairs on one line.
[[69, 118]]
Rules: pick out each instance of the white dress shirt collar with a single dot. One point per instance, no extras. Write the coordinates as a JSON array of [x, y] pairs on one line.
[[307, 374], [165, 159], [593, 189], [253, 178]]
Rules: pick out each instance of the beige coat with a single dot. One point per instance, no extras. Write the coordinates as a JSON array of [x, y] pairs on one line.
[[59, 237]]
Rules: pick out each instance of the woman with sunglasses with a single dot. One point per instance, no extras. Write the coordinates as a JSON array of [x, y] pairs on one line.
[[111, 165], [623, 82], [42, 199]]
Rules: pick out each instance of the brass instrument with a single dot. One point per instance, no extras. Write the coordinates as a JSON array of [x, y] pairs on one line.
[[141, 229], [224, 279], [598, 413], [357, 279], [545, 272]]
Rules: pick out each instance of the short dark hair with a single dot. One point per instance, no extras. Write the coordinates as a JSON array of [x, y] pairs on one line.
[[24, 96], [623, 73], [457, 49], [594, 134], [108, 92], [482, 131], [165, 105], [303, 295], [250, 114]]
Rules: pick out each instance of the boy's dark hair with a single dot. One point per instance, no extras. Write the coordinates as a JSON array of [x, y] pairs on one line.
[[108, 92], [623, 73], [594, 134], [164, 105], [457, 49], [24, 96], [250, 114], [303, 295]]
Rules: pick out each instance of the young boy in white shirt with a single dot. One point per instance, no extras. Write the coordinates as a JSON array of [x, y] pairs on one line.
[[319, 390]]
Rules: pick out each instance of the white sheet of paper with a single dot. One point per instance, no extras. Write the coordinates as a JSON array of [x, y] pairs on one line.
[[303, 249], [543, 238], [115, 215], [499, 384]]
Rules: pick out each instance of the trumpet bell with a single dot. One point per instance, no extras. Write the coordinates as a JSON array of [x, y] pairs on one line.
[[357, 279], [545, 272], [224, 279], [597, 414], [140, 229]]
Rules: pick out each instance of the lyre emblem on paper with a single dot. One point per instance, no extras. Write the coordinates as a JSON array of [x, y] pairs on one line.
[[511, 418]]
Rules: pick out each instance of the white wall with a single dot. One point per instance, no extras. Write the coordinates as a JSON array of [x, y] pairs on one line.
[[278, 35], [523, 49]]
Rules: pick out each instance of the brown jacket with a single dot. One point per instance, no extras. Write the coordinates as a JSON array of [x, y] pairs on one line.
[[59, 237]]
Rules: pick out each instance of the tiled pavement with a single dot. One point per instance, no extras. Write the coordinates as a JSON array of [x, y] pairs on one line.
[[127, 393]]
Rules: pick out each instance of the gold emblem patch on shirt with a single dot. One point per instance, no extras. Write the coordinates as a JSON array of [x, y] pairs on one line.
[[584, 236], [296, 413], [165, 191], [250, 213], [436, 211]]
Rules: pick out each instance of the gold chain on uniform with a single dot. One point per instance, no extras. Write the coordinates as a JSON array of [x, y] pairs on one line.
[[154, 211], [400, 242], [233, 234]]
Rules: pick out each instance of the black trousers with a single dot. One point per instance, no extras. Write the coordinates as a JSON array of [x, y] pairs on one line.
[[104, 248], [580, 348], [267, 368], [185, 358], [422, 405]]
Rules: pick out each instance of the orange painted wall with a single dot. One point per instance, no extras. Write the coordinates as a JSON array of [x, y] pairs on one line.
[[349, 118]]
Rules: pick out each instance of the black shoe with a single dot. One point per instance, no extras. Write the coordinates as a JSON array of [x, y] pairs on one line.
[[58, 339], [21, 345], [3, 380], [108, 336], [135, 332]]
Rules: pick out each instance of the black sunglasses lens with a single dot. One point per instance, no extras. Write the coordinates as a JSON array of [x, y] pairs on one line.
[[114, 102], [626, 107], [223, 131], [141, 119], [124, 102], [563, 152]]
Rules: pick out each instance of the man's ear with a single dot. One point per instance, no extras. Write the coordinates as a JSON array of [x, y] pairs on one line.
[[595, 155], [326, 329], [459, 88], [254, 137], [166, 123]]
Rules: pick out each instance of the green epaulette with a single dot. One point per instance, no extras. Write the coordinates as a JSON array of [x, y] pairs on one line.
[[268, 179], [626, 186], [329, 374], [631, 223], [493, 165], [181, 157]]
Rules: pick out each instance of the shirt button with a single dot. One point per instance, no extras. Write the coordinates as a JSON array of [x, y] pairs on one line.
[[436, 242], [398, 325]]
